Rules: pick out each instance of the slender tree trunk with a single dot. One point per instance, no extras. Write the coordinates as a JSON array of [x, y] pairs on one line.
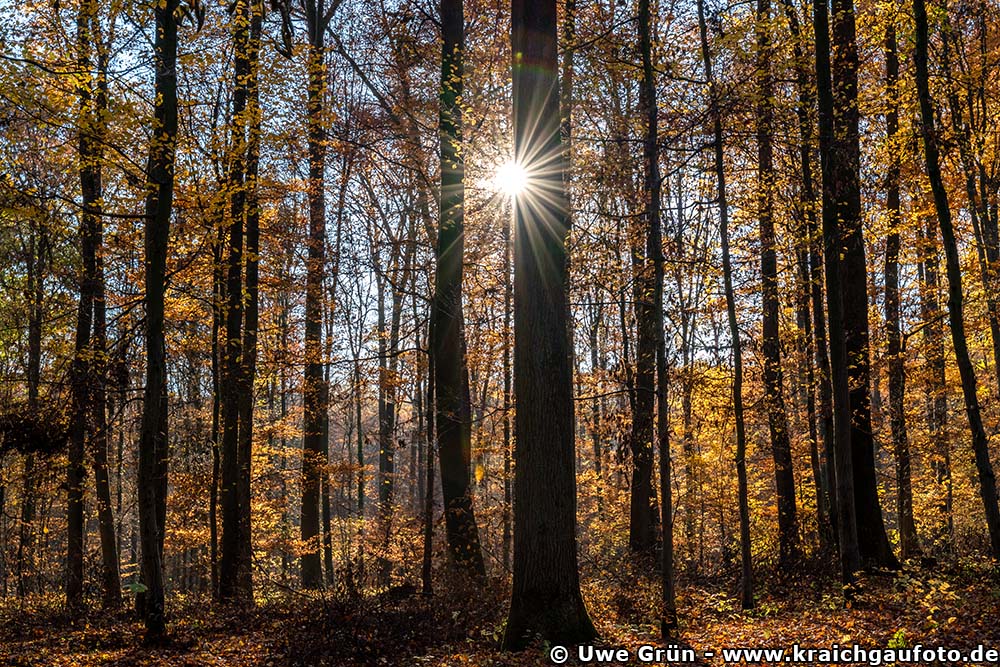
[[90, 187], [218, 313], [251, 261], [777, 418], [38, 252], [934, 378], [545, 597], [909, 546], [507, 395], [746, 555], [112, 594], [447, 334], [426, 573], [811, 281], [314, 389], [642, 498], [235, 572], [153, 443], [980, 443], [654, 251]]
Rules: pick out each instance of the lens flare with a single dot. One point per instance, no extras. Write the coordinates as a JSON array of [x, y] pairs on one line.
[[511, 179]]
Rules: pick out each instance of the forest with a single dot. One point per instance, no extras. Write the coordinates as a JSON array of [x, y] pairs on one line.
[[467, 332]]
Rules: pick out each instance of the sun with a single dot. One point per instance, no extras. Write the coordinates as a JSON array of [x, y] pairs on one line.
[[511, 179]]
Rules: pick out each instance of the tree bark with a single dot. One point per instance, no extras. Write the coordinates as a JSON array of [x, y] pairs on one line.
[[834, 165], [545, 597], [153, 443], [777, 418], [447, 334], [314, 389], [909, 545]]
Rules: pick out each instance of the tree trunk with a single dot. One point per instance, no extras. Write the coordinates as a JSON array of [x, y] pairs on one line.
[[112, 594], [654, 251], [834, 165], [153, 443], [507, 396], [426, 573], [746, 555], [980, 443], [873, 543], [314, 389], [935, 385], [90, 188], [235, 573], [909, 546], [777, 418], [447, 333], [811, 280], [545, 597]]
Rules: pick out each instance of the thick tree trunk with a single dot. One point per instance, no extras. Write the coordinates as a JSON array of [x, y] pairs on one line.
[[746, 555], [873, 542], [153, 443], [834, 165], [545, 597], [980, 443], [909, 546], [447, 333]]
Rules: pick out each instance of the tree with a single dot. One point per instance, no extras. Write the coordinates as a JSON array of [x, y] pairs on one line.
[[90, 361], [956, 317], [235, 572], [453, 418], [873, 543], [545, 597], [315, 391], [834, 163], [909, 546], [654, 253], [777, 418], [153, 443], [746, 555]]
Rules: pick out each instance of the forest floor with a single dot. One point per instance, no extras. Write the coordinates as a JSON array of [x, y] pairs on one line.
[[955, 606]]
